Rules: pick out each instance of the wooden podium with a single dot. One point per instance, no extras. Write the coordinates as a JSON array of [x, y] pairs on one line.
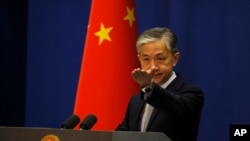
[[50, 134]]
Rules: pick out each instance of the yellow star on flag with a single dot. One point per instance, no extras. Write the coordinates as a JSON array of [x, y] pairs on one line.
[[130, 16], [103, 33]]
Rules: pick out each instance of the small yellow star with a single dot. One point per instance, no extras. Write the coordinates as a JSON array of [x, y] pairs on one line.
[[130, 16], [103, 33]]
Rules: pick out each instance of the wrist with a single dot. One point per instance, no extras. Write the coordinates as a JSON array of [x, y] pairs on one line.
[[146, 85], [147, 89]]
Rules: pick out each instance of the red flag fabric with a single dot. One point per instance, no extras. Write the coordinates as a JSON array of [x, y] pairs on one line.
[[105, 83]]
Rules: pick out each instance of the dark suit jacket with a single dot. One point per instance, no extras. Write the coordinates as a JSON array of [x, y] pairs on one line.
[[176, 113]]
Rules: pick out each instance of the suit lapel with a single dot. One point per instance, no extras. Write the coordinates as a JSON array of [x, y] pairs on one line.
[[139, 112]]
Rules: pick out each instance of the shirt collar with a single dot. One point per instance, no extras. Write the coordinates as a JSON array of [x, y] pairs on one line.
[[172, 77]]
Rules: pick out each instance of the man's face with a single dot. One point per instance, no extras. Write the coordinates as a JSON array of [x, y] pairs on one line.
[[156, 54]]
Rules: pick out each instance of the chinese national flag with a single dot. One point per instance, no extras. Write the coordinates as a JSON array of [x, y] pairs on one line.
[[105, 84]]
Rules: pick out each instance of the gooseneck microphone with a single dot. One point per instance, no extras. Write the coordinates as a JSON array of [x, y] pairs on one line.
[[88, 122], [70, 122]]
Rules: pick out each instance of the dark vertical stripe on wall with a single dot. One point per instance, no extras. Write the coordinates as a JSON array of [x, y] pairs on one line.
[[13, 62]]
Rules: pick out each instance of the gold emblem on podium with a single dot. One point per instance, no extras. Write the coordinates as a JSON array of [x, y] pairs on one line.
[[50, 137]]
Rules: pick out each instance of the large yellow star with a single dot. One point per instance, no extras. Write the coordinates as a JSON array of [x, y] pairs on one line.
[[130, 16], [103, 33]]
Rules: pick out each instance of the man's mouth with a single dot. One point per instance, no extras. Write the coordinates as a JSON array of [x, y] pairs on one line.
[[157, 75]]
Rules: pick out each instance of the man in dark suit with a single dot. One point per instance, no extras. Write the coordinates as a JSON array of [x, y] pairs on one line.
[[166, 102]]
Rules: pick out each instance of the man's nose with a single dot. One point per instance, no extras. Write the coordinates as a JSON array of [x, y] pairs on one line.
[[153, 64]]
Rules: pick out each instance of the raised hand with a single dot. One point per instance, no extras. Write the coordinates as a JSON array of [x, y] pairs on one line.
[[143, 77]]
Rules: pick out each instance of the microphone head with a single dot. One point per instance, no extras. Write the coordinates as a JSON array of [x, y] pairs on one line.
[[88, 122], [70, 122]]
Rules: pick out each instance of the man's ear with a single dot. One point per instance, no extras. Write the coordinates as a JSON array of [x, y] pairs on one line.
[[176, 58], [138, 56]]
